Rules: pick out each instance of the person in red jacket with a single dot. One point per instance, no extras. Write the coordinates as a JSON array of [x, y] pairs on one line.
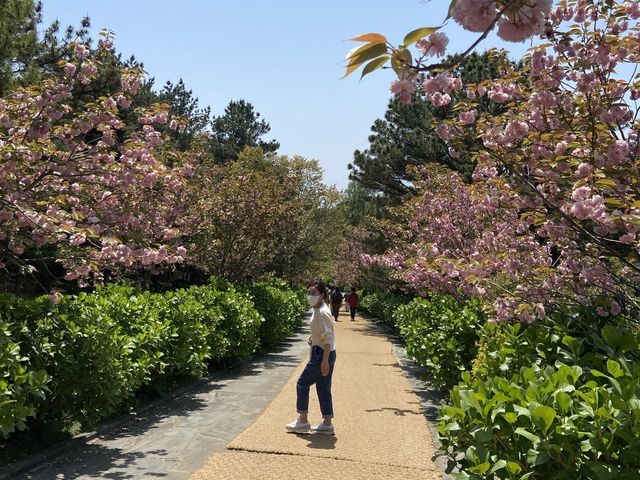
[[352, 300]]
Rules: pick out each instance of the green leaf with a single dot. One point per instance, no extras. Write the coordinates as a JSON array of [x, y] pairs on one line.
[[366, 52], [574, 344], [611, 335], [511, 417], [614, 368], [513, 467], [526, 434], [374, 65], [358, 56], [417, 34], [543, 417], [604, 472], [520, 410], [564, 401], [480, 469], [537, 458], [500, 464], [452, 5], [468, 399]]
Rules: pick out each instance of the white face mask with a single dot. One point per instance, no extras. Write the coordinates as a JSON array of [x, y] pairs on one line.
[[313, 300]]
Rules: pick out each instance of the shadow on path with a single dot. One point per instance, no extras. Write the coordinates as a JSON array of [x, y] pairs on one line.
[[170, 437]]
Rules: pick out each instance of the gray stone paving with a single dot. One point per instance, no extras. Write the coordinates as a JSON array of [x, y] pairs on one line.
[[172, 438]]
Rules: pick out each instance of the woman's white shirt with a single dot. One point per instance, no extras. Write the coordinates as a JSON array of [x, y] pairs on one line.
[[322, 327]]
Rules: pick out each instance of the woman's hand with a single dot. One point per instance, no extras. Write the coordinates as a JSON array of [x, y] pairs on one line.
[[324, 368]]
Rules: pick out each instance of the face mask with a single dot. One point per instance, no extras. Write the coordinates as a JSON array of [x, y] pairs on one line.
[[313, 300]]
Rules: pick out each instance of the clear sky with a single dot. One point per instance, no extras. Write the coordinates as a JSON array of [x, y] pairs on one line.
[[286, 57]]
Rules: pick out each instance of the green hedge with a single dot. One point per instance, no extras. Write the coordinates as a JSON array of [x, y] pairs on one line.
[[82, 359], [547, 401], [440, 334], [382, 305], [282, 309]]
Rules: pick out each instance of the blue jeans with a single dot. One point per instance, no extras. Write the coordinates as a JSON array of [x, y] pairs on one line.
[[312, 374]]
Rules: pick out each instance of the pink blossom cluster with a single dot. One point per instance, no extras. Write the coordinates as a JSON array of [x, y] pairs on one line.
[[465, 239], [435, 45], [405, 86], [553, 213], [517, 22], [91, 199]]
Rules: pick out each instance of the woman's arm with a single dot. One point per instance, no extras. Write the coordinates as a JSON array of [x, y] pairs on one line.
[[327, 341]]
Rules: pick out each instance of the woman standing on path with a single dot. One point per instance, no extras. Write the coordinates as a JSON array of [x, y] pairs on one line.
[[319, 369]]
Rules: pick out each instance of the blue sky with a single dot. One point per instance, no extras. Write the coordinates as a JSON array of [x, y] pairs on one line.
[[286, 57]]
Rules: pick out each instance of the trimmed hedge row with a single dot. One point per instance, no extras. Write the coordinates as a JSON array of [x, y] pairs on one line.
[[440, 332], [558, 399], [382, 305], [80, 360], [282, 309], [551, 400]]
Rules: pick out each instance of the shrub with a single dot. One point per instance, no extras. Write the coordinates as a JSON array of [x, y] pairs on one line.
[[82, 359], [382, 305], [281, 308], [193, 325], [574, 414], [503, 349], [440, 335], [22, 389], [94, 364], [238, 335]]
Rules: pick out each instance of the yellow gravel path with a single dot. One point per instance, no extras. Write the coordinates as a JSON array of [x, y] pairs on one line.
[[381, 432]]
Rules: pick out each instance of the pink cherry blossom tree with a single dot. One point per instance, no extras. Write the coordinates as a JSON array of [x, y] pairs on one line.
[[561, 157], [71, 178]]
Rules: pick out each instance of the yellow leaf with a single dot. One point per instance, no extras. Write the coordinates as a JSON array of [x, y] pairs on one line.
[[370, 37], [614, 202], [609, 182], [366, 52], [351, 69], [417, 34], [400, 60]]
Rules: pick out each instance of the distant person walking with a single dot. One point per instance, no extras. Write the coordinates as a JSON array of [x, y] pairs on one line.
[[353, 300], [319, 369], [336, 301]]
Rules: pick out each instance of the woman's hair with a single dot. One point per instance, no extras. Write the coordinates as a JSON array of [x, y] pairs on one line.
[[319, 285]]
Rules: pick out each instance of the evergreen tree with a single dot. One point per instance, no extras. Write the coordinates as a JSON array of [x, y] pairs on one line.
[[184, 104], [237, 128], [25, 57]]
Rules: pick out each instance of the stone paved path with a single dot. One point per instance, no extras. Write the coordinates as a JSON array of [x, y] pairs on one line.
[[190, 432]]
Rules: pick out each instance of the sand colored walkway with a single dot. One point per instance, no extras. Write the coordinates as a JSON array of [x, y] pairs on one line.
[[381, 431]]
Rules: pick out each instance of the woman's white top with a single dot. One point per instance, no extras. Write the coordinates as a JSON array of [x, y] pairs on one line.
[[322, 327]]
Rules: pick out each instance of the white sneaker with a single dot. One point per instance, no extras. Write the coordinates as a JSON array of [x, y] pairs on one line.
[[298, 427], [324, 429]]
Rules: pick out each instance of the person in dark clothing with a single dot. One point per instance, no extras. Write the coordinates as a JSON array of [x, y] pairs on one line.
[[353, 300], [336, 301]]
